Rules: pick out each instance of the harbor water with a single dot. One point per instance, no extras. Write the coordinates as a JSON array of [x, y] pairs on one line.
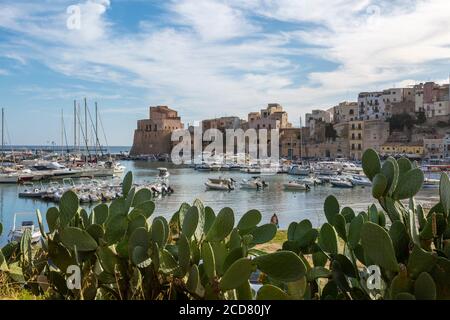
[[189, 185]]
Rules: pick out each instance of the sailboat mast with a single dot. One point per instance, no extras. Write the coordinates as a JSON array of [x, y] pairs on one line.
[[74, 124], [96, 129], [62, 132], [86, 125]]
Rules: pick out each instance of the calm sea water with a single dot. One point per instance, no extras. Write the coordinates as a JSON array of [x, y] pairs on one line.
[[189, 185]]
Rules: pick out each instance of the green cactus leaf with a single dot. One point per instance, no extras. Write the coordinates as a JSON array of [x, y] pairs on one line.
[[317, 273], [209, 262], [404, 165], [390, 170], [331, 208], [108, 259], [249, 221], [96, 231], [405, 296], [220, 254], [400, 283], [308, 239], [424, 287], [237, 274], [409, 184], [263, 234], [222, 225], [269, 292], [158, 233], [101, 213], [41, 226], [146, 208], [420, 261], [193, 279], [348, 214], [297, 289], [379, 185], [340, 226], [244, 292], [201, 219], [378, 246], [354, 231], [127, 183], [328, 239], [68, 207], [190, 222], [140, 257], [371, 163], [400, 240], [444, 192], [117, 208], [52, 218], [210, 216], [393, 209], [440, 273], [129, 199], [75, 237], [319, 258], [168, 264], [231, 257], [116, 228], [235, 240], [184, 253], [182, 212], [301, 229], [281, 265], [141, 196], [138, 221], [291, 231], [139, 237]]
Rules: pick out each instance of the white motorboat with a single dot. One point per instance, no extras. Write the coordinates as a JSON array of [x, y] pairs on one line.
[[341, 183], [30, 191], [203, 167], [360, 181], [220, 184], [296, 186], [300, 170], [9, 178], [216, 167], [311, 181], [17, 233], [255, 184]]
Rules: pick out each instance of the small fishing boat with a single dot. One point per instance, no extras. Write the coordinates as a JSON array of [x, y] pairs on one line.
[[300, 170], [9, 178], [360, 181], [312, 181], [341, 183], [296, 186], [17, 233], [30, 191], [255, 184], [220, 184], [203, 167]]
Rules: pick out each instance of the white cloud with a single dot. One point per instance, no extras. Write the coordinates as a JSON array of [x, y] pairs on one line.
[[212, 20], [227, 57]]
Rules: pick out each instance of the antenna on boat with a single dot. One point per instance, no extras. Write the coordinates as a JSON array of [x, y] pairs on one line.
[[74, 124], [96, 128], [301, 139], [62, 132], [86, 127]]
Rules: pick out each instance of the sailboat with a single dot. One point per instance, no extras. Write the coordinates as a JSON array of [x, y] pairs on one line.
[[5, 176]]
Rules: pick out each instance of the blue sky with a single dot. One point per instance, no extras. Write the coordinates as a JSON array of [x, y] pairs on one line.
[[208, 58]]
